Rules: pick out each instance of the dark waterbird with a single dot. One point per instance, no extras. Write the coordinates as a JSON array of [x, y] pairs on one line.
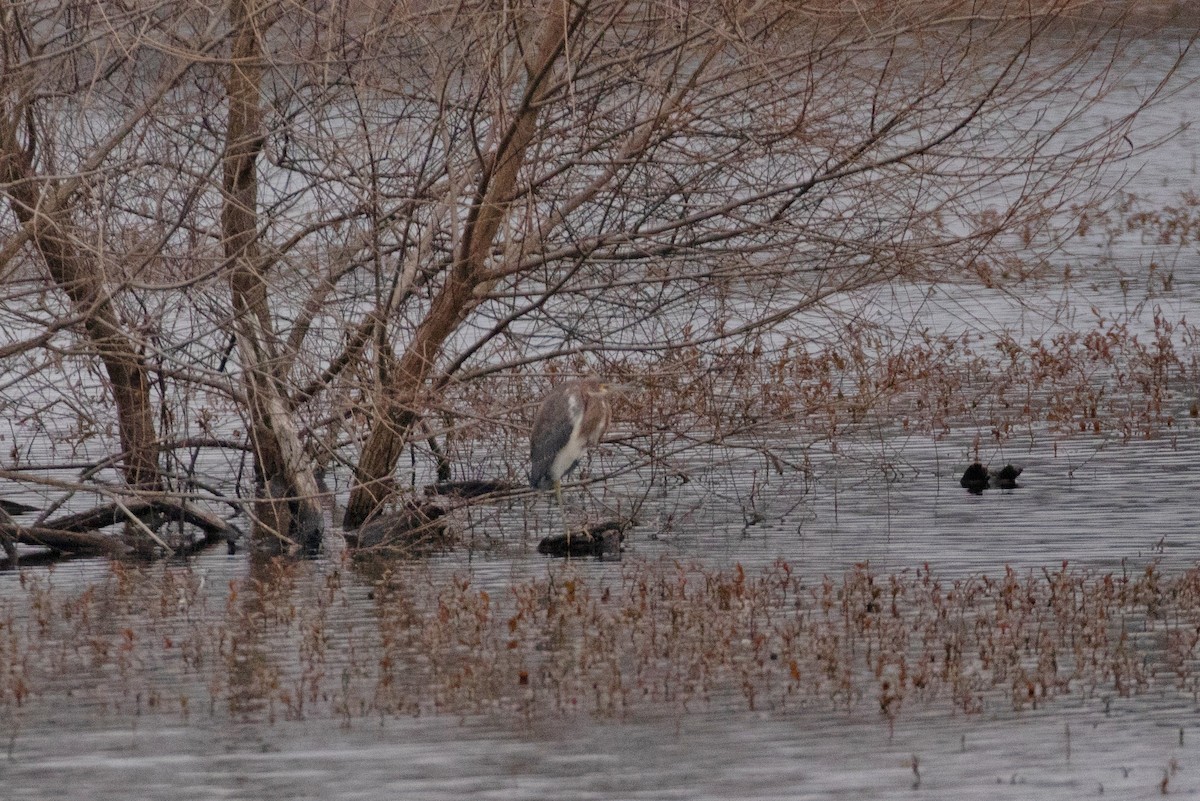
[[977, 478]]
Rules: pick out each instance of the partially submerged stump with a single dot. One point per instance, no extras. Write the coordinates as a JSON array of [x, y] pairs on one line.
[[598, 539], [419, 527]]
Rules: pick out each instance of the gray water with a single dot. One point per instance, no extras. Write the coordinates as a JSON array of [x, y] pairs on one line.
[[1092, 501], [1071, 751]]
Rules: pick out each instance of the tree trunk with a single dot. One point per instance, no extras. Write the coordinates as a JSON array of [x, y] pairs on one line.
[[83, 283], [288, 509], [398, 407]]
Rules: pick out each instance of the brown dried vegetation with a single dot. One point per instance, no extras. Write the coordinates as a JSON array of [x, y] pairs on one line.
[[290, 642]]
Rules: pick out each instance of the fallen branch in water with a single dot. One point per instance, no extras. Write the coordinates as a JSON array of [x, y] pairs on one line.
[[74, 542], [77, 534]]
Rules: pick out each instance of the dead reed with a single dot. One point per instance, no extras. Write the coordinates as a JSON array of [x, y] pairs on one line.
[[299, 640]]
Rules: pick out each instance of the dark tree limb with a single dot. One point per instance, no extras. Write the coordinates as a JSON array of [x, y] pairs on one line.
[[78, 533]]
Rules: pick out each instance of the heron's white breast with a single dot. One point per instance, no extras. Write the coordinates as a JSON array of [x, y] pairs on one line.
[[573, 450]]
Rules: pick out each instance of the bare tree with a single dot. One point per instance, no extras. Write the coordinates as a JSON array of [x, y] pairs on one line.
[[290, 231], [698, 178], [43, 203], [43, 219], [285, 477], [468, 277]]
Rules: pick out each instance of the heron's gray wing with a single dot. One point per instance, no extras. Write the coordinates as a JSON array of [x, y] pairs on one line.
[[551, 433]]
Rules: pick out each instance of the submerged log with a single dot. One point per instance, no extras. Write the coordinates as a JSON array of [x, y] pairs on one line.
[[111, 514], [604, 539]]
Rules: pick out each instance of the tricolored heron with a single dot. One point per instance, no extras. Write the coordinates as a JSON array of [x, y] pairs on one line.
[[572, 417]]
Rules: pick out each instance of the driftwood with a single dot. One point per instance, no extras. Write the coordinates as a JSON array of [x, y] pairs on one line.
[[598, 539]]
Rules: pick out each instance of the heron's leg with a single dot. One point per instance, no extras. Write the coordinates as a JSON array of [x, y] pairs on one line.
[[562, 510]]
